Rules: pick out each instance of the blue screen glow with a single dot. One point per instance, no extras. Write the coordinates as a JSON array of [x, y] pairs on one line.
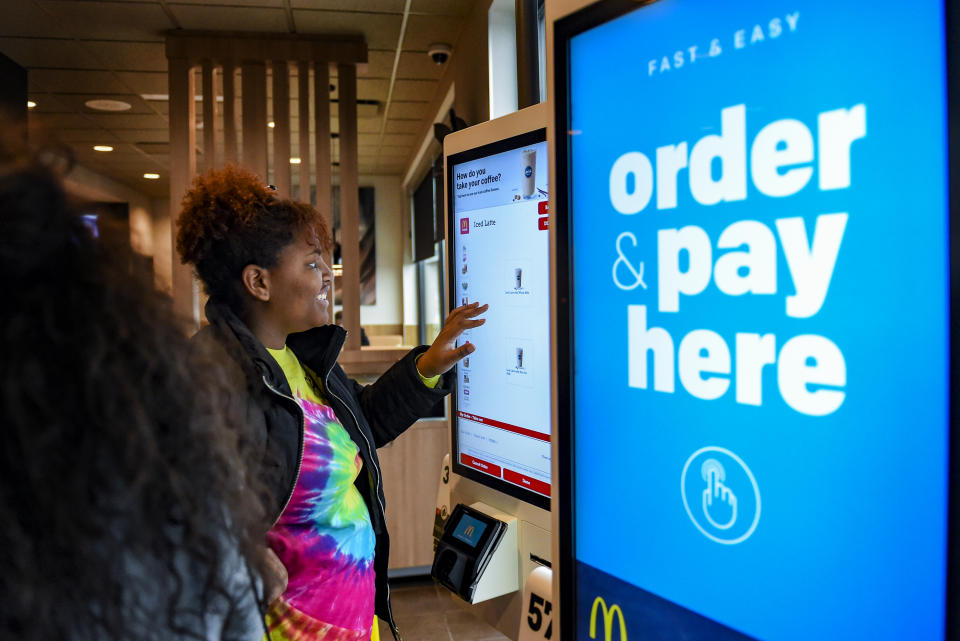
[[759, 231]]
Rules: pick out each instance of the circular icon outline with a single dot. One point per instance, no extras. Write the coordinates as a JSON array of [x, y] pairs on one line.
[[753, 482]]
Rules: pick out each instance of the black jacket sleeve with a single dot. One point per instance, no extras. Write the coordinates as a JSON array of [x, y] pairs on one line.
[[398, 398]]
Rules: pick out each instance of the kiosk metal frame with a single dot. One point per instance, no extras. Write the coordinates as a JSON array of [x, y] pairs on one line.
[[594, 15]]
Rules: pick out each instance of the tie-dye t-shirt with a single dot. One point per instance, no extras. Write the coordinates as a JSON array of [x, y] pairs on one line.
[[324, 537]]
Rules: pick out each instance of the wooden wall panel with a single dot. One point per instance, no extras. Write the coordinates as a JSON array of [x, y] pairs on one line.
[[411, 476], [183, 167], [281, 128], [209, 115], [229, 113], [349, 204], [321, 131], [254, 117]]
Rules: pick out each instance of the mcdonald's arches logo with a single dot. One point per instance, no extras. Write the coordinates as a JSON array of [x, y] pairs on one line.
[[608, 614], [469, 531]]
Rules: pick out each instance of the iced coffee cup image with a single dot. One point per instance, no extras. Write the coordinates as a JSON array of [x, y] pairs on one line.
[[529, 178], [519, 358], [518, 278]]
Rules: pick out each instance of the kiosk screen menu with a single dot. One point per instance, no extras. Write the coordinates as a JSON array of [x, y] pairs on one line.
[[754, 215], [499, 247]]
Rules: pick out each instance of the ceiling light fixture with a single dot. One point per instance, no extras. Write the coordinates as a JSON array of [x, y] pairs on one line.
[[271, 124], [102, 148], [103, 104], [294, 161], [152, 176], [31, 104]]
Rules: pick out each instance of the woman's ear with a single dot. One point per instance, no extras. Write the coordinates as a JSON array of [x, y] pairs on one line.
[[256, 280]]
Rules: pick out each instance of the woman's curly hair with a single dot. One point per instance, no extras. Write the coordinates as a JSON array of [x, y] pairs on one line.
[[122, 494], [230, 219]]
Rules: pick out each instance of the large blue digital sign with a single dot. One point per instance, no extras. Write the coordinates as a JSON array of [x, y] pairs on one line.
[[758, 262]]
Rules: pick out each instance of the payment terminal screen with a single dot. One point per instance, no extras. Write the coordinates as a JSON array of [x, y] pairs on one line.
[[500, 244], [759, 310], [469, 530]]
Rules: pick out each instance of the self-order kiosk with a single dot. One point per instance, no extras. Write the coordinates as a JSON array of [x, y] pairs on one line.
[[497, 195]]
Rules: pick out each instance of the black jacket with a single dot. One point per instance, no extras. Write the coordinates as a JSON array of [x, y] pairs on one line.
[[373, 415]]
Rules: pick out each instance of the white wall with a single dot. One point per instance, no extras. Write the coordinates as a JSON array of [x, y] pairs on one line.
[[502, 58], [389, 237], [162, 246]]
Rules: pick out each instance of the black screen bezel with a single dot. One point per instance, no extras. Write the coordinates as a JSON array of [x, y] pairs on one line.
[[593, 16], [507, 144]]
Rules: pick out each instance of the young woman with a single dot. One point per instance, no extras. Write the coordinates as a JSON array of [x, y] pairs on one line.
[[124, 508], [259, 258]]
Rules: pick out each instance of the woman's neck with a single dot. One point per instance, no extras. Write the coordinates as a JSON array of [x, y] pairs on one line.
[[265, 329]]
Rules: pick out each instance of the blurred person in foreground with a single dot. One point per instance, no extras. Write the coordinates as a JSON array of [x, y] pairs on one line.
[[260, 259], [125, 511]]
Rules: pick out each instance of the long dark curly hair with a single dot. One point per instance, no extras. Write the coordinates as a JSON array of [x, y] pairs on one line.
[[230, 219], [122, 489]]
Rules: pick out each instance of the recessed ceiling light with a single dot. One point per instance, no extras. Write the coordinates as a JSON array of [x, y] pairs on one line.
[[152, 176], [107, 105], [294, 161], [31, 104], [271, 124], [102, 148]]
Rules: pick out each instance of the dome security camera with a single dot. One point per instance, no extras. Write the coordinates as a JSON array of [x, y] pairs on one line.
[[439, 52]]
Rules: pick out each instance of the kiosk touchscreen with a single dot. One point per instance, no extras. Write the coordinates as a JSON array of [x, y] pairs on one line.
[[752, 250], [499, 255]]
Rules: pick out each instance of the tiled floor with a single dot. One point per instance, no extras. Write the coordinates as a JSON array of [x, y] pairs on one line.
[[426, 612]]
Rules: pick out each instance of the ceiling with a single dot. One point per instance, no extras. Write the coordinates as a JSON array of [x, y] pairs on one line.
[[78, 50]]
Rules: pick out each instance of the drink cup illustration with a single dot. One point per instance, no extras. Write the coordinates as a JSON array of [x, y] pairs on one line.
[[519, 358], [529, 172], [518, 278]]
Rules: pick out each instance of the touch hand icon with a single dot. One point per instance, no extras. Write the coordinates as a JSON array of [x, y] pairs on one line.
[[717, 497], [720, 495]]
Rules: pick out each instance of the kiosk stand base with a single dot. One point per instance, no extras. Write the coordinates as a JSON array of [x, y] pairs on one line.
[[501, 575]]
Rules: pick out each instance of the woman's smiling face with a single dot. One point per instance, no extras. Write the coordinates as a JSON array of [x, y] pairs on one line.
[[301, 285]]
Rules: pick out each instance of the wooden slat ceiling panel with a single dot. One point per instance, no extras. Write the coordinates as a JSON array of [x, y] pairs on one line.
[[79, 50]]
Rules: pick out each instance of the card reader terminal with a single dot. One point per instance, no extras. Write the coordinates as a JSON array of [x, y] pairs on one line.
[[469, 540]]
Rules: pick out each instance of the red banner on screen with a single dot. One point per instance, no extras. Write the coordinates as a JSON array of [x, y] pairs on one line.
[[505, 426]]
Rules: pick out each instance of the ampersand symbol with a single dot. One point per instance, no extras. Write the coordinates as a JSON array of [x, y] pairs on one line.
[[623, 260]]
